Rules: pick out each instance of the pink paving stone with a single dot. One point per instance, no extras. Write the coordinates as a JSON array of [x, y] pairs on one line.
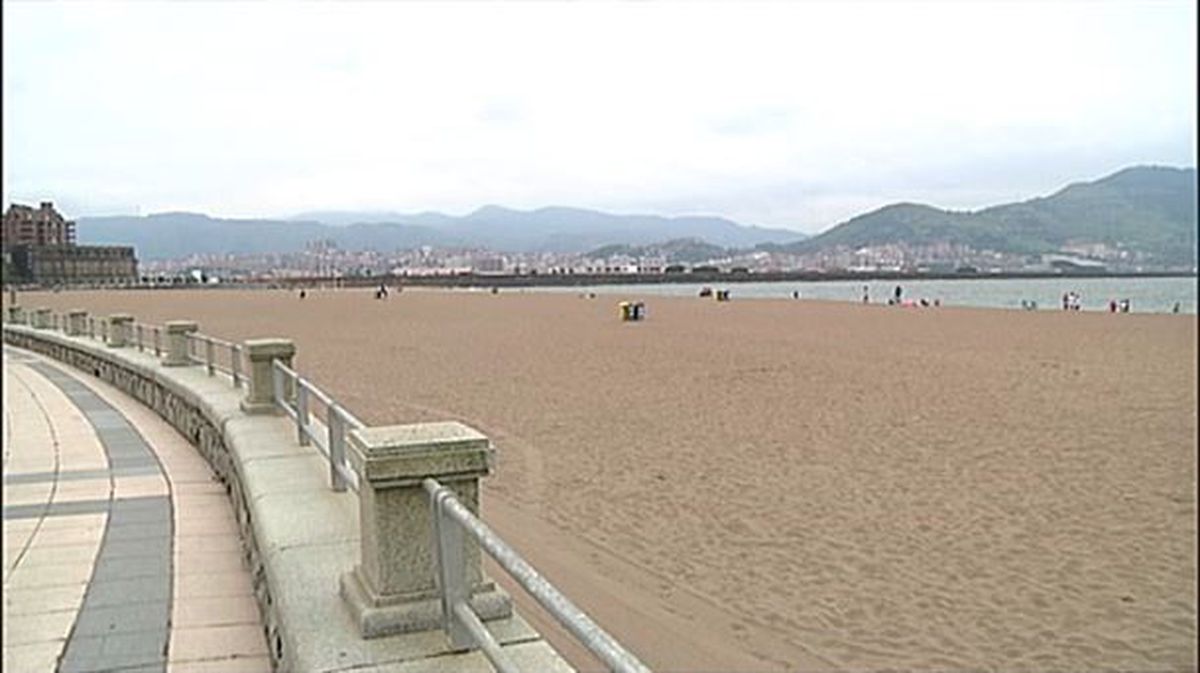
[[226, 610], [198, 524], [208, 642], [230, 665], [206, 562], [185, 546], [211, 585]]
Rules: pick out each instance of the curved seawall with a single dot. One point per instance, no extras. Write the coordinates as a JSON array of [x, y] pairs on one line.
[[299, 536]]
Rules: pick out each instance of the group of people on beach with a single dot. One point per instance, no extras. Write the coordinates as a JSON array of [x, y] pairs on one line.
[[1072, 301], [1122, 306], [380, 293], [897, 299]]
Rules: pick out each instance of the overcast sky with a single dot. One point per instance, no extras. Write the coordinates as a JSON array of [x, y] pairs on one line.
[[787, 114]]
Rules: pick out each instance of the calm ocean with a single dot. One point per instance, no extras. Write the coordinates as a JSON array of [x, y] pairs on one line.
[[1145, 295]]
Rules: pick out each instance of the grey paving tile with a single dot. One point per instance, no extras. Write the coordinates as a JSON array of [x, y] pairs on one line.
[[127, 449], [140, 515], [25, 511], [137, 470], [123, 623], [126, 592], [70, 475], [70, 508], [139, 531], [122, 462], [122, 440], [114, 652], [138, 647], [85, 402], [106, 419], [122, 619], [80, 653], [131, 567], [141, 502], [135, 548]]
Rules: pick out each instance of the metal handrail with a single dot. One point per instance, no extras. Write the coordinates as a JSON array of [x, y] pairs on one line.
[[202, 349], [140, 335], [450, 520], [329, 435], [294, 395]]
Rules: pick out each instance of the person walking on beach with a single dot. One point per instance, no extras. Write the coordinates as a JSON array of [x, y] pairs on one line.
[[899, 292], [866, 295]]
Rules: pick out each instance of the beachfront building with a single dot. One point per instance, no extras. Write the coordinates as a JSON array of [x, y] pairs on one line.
[[24, 225], [39, 248]]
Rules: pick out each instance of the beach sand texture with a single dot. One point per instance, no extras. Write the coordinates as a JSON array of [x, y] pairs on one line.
[[794, 485]]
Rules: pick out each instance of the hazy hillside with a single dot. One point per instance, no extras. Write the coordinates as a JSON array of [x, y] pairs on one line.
[[558, 229], [1148, 209], [686, 250], [175, 235], [165, 235], [554, 229]]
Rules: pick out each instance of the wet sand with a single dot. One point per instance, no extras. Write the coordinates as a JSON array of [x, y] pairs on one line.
[[794, 485]]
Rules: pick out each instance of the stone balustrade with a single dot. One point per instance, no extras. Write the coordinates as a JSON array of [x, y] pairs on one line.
[[16, 315], [120, 330], [76, 322], [318, 556]]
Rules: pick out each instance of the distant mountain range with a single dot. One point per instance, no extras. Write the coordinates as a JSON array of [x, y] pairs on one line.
[[1146, 209], [554, 229]]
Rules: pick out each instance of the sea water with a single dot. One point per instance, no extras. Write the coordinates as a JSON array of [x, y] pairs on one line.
[[1145, 295]]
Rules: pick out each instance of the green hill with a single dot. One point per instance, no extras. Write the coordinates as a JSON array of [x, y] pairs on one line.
[[1146, 209], [689, 250]]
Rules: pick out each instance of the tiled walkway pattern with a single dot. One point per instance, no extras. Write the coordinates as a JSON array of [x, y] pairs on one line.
[[93, 577]]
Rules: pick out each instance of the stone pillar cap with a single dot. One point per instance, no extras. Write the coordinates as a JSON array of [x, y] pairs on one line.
[[416, 451], [120, 317], [182, 326], [77, 311], [266, 349]]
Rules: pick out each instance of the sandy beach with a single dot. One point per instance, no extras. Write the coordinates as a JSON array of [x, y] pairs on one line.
[[777, 485]]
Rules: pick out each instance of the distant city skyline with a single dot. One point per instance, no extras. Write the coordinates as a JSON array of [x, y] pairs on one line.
[[790, 115]]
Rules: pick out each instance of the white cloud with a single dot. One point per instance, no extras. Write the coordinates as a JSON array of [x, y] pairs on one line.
[[784, 114]]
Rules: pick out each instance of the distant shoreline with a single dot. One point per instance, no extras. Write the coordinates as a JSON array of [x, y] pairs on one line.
[[687, 278], [488, 280]]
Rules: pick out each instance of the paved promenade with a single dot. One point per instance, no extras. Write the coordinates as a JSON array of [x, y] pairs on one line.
[[121, 552]]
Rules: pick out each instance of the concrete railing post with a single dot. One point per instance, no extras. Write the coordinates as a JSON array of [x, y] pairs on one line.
[[76, 318], [260, 353], [393, 589], [177, 346], [120, 325], [16, 315], [41, 318]]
